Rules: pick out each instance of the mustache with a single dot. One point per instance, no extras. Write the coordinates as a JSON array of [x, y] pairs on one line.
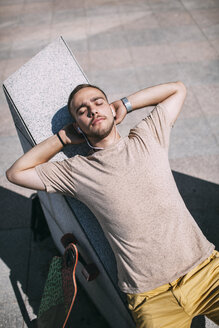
[[97, 117]]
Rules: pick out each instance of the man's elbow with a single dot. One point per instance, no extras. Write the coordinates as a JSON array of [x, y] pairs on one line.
[[181, 87], [10, 176]]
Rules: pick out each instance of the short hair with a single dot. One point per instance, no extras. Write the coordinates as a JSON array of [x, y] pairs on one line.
[[79, 87]]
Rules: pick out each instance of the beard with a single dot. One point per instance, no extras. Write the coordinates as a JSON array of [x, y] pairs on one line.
[[102, 133]]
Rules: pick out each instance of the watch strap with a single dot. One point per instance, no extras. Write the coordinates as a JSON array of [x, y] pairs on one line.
[[127, 104]]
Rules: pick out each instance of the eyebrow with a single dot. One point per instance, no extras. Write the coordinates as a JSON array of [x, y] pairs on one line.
[[92, 99]]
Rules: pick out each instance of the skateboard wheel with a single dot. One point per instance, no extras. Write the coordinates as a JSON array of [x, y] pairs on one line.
[[67, 239]]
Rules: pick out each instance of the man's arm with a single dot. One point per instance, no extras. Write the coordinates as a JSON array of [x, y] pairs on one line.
[[23, 172], [171, 94]]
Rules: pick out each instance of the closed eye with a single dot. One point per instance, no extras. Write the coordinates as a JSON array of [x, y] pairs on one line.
[[99, 102], [82, 111]]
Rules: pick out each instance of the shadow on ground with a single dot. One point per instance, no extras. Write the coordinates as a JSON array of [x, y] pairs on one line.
[[28, 260]]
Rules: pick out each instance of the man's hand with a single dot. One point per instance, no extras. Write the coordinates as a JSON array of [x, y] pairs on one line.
[[171, 95], [120, 111], [70, 136]]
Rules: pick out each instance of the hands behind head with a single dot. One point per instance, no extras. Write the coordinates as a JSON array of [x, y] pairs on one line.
[[120, 111], [70, 136]]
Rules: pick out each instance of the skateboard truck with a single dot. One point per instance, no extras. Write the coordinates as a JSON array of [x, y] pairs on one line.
[[89, 270]]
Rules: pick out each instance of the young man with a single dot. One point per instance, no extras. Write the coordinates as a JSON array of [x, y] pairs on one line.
[[166, 266]]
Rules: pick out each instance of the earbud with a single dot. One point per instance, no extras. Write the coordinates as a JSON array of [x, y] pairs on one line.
[[112, 112]]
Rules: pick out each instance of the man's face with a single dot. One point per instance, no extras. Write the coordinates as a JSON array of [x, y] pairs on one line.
[[92, 112]]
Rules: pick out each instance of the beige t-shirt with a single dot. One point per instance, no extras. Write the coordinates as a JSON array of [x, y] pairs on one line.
[[131, 190]]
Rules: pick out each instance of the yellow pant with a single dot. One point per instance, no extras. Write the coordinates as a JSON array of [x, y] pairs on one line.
[[175, 304]]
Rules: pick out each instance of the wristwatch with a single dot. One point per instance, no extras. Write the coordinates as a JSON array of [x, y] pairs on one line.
[[127, 104]]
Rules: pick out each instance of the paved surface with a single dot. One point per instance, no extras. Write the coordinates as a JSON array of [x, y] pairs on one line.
[[122, 46]]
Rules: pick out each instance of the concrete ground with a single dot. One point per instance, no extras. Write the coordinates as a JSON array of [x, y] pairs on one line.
[[122, 46]]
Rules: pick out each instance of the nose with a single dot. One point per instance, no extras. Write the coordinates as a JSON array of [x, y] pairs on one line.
[[92, 110]]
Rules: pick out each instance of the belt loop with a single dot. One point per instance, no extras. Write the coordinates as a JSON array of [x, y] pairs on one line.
[[213, 254], [175, 282]]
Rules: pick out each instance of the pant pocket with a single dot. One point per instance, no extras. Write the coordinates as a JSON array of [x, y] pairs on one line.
[[135, 302]]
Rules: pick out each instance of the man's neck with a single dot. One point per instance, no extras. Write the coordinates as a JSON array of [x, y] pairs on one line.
[[106, 142]]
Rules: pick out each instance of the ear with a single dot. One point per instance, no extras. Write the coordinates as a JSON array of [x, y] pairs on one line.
[[76, 127], [113, 110]]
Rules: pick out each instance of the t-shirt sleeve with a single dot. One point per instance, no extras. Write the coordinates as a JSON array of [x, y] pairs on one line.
[[57, 177], [157, 124]]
